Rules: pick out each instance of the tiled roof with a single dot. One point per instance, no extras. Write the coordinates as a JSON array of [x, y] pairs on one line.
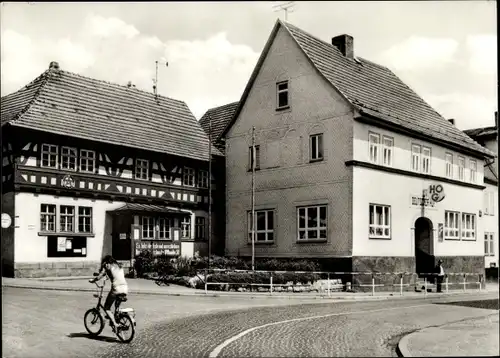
[[481, 132], [150, 208], [373, 90], [490, 174], [220, 117], [69, 104]]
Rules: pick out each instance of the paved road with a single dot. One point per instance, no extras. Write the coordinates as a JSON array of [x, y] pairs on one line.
[[40, 323]]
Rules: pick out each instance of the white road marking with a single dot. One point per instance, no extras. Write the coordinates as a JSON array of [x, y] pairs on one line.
[[227, 342]]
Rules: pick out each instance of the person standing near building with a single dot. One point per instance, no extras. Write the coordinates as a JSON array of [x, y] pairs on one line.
[[440, 276]]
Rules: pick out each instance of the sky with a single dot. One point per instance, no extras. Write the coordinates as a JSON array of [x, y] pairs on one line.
[[445, 50]]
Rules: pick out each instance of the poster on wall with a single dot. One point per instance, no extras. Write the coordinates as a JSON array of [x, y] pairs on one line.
[[123, 236], [61, 244], [68, 244], [440, 232]]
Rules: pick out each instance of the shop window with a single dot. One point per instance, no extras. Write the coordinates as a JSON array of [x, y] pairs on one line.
[[58, 246]]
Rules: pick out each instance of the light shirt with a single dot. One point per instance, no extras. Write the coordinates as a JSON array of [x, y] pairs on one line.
[[441, 271], [117, 277]]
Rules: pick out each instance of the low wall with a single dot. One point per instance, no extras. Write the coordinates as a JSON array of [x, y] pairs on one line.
[[55, 269]]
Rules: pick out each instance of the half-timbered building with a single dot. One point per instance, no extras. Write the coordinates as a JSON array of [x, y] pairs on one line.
[[93, 168]]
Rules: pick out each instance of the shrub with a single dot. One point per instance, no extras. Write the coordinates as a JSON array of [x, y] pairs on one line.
[[246, 278], [144, 263], [164, 266]]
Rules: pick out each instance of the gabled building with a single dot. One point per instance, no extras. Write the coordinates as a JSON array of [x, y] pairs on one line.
[[488, 138], [93, 168], [353, 166], [215, 120]]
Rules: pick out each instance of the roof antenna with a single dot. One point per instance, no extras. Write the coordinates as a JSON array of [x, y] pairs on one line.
[[284, 6], [155, 80]]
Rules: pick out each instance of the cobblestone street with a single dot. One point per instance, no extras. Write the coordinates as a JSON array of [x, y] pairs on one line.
[[39, 323]]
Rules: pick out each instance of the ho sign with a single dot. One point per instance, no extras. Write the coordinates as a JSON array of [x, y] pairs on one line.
[[436, 193]]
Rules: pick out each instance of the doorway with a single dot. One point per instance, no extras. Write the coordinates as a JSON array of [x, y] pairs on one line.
[[424, 246]]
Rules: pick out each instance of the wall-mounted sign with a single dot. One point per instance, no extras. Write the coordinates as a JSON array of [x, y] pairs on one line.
[[6, 220], [436, 193], [421, 201], [68, 182], [123, 236], [440, 232]]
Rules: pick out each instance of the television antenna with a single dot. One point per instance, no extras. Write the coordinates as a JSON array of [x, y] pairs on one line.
[[155, 80], [285, 6]]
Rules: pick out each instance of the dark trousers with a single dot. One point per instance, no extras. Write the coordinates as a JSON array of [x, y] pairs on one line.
[[439, 282]]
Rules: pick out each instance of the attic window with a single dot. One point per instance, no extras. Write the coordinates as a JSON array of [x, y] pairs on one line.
[[282, 95]]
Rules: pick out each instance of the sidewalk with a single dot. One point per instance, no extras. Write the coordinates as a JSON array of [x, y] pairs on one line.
[[475, 337], [143, 286]]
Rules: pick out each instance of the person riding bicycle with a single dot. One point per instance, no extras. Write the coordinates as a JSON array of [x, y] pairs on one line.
[[114, 271]]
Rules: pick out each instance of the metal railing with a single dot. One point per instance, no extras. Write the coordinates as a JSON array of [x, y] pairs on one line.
[[347, 286]]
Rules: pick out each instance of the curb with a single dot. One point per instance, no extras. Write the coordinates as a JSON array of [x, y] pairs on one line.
[[251, 296], [402, 346]]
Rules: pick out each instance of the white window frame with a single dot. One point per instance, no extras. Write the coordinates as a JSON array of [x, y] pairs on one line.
[[468, 233], [164, 228], [489, 244], [316, 150], [449, 165], [186, 227], [374, 147], [426, 160], [141, 169], [48, 149], [374, 226], [202, 179], [188, 176], [48, 217], [267, 231], [85, 219], [280, 91], [319, 228], [257, 156], [461, 168], [387, 151], [66, 218], [148, 227], [451, 232], [416, 157], [473, 170], [87, 157], [71, 155], [200, 228]]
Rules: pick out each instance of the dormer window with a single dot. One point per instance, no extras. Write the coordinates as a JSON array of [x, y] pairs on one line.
[[282, 95]]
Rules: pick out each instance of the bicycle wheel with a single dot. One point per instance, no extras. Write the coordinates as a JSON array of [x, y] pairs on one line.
[[94, 323], [126, 329]]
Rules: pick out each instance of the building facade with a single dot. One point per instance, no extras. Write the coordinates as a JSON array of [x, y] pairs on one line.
[[488, 138], [352, 166], [92, 168]]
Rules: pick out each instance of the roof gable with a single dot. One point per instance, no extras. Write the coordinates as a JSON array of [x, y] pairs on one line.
[[69, 104], [372, 89], [219, 118]]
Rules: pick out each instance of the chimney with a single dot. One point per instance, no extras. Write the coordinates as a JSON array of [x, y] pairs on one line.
[[54, 65], [345, 43], [452, 121], [129, 84]]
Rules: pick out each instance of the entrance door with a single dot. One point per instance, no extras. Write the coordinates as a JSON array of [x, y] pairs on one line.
[[122, 249], [424, 258]]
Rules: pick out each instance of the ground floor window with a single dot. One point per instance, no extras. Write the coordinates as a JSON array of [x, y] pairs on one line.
[[68, 219], [468, 226], [451, 225], [164, 226], [200, 228], [380, 221], [58, 246], [148, 227], [264, 226], [312, 222], [489, 245]]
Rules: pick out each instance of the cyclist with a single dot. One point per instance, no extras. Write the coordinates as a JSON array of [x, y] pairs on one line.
[[114, 271]]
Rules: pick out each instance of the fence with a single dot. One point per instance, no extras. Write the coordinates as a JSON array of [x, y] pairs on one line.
[[333, 284]]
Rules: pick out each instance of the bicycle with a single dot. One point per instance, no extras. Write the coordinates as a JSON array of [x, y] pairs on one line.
[[124, 317]]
